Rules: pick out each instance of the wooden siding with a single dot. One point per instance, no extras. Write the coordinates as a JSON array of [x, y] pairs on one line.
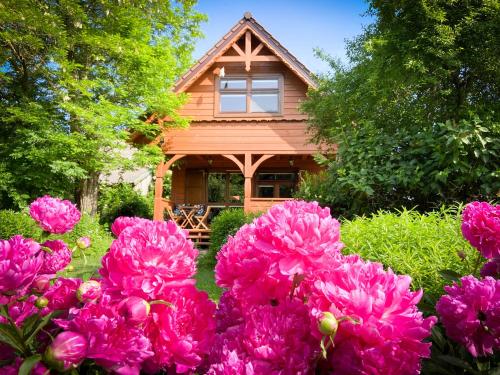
[[236, 137], [202, 104]]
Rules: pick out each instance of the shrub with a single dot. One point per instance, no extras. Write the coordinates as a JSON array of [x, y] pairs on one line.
[[419, 245], [14, 222], [223, 225], [123, 200]]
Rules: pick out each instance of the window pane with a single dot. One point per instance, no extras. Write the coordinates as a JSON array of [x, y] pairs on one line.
[[285, 176], [265, 191], [286, 191], [267, 176], [234, 84], [233, 103], [216, 187], [264, 84], [264, 103]]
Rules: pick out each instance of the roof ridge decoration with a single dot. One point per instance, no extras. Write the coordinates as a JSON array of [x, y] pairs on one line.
[[224, 44]]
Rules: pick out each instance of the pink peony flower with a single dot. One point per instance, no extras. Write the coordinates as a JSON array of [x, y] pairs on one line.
[[54, 215], [62, 295], [268, 258], [83, 242], [58, 259], [491, 268], [134, 309], [385, 333], [113, 343], [89, 291], [123, 222], [20, 310], [181, 334], [67, 350], [12, 369], [481, 227], [470, 314], [279, 339], [41, 283], [147, 258], [271, 340], [229, 312], [20, 261]]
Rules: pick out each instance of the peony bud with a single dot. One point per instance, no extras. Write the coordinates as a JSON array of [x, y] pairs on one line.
[[41, 283], [41, 302], [134, 309], [66, 351], [83, 242], [89, 291], [328, 325], [70, 268]]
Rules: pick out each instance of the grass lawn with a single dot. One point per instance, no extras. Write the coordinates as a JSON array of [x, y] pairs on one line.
[[205, 281]]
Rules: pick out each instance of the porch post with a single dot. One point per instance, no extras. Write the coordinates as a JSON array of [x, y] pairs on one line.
[[158, 206], [248, 182]]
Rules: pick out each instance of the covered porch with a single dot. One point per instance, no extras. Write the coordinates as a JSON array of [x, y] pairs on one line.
[[204, 184]]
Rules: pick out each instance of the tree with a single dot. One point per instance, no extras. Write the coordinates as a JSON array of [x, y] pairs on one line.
[[415, 113], [76, 78]]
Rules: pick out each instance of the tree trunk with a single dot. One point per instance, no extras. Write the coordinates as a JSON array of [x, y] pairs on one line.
[[88, 193]]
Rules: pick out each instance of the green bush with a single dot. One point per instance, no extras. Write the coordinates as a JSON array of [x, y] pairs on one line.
[[122, 200], [419, 245], [223, 225], [13, 222]]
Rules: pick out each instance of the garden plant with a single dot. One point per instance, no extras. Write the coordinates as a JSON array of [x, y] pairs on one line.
[[292, 302]]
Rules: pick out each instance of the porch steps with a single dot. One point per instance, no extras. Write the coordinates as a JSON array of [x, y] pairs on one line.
[[200, 238]]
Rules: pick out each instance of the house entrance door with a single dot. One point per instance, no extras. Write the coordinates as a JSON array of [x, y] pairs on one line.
[[195, 186]]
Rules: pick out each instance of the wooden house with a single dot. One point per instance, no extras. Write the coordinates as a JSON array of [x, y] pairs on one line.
[[246, 144]]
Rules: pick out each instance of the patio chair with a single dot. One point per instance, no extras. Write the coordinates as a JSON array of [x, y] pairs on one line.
[[174, 216], [201, 218]]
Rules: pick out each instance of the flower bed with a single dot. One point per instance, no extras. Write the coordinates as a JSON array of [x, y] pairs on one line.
[[293, 304]]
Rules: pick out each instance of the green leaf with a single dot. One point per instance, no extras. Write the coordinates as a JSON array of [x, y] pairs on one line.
[[28, 364], [454, 361], [9, 336], [29, 324], [450, 275], [42, 323]]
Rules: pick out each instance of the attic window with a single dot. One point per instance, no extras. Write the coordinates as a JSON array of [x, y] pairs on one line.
[[249, 95]]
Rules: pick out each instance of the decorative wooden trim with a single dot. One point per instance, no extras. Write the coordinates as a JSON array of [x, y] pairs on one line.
[[242, 27], [238, 49], [236, 161], [262, 159], [168, 164], [257, 49], [248, 50]]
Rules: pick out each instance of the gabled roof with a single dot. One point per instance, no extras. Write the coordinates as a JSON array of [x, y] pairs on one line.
[[246, 23]]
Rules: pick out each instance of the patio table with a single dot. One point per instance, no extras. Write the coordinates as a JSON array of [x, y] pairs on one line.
[[188, 212]]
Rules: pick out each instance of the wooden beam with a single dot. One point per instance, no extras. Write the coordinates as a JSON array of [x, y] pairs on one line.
[[262, 159], [248, 49], [266, 58], [247, 59], [238, 49], [231, 59], [236, 161], [158, 201], [248, 183], [257, 49], [168, 164]]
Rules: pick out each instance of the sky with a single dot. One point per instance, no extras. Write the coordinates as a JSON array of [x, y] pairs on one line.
[[300, 26]]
